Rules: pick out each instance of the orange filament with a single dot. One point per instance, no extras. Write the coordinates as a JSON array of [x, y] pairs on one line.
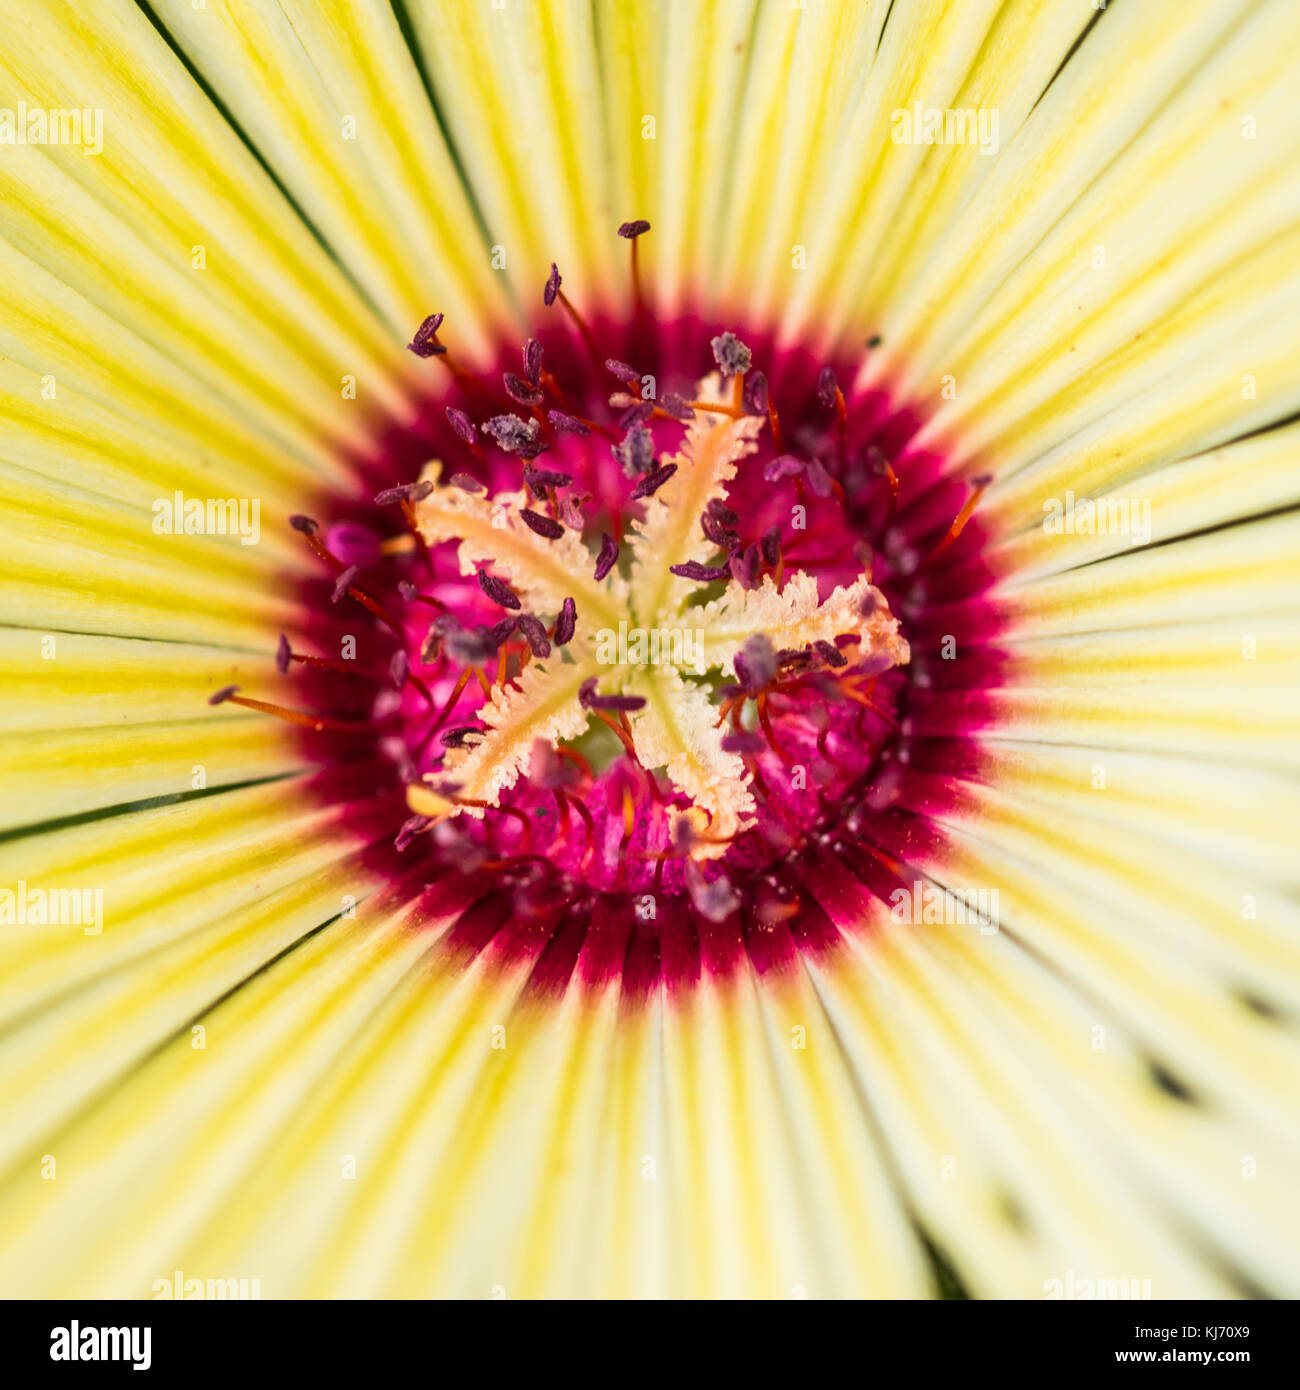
[[590, 824], [318, 722], [774, 422], [713, 409], [959, 521], [766, 723], [521, 816], [456, 691], [892, 510], [637, 299], [575, 757], [408, 512], [581, 324]]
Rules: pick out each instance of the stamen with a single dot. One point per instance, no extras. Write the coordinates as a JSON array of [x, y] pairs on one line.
[[588, 699], [317, 722], [632, 231], [407, 492], [425, 343]]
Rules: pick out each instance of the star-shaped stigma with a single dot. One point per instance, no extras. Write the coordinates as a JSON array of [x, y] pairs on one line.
[[665, 638]]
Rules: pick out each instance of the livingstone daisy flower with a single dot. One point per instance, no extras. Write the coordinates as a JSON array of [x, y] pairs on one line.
[[650, 648]]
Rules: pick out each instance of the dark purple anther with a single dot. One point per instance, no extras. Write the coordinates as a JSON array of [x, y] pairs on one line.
[[718, 534], [467, 648], [742, 741], [407, 492], [567, 424], [283, 655], [552, 287], [411, 827], [399, 669], [542, 525], [653, 481], [455, 738], [519, 390], [608, 556], [632, 230], [781, 467], [826, 387], [637, 451], [704, 574], [731, 355], [719, 510], [496, 634], [498, 590], [343, 583], [424, 344], [466, 483], [571, 511], [588, 698], [819, 479], [535, 635], [461, 423], [755, 395], [629, 376], [830, 653], [567, 623], [407, 590], [219, 697], [542, 479], [677, 406], [636, 414], [744, 567], [533, 362], [715, 900], [769, 546], [304, 524], [758, 660]]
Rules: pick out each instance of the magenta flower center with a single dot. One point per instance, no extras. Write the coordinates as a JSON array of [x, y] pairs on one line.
[[656, 628]]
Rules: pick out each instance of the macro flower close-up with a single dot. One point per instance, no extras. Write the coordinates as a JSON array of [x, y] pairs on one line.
[[649, 649]]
